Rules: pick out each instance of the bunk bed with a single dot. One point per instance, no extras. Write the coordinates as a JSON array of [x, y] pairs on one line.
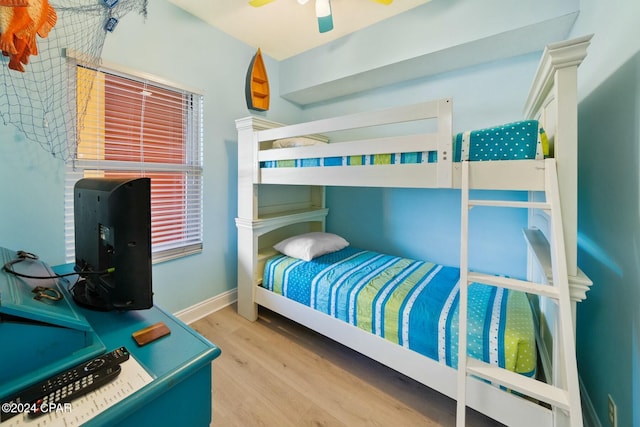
[[282, 172]]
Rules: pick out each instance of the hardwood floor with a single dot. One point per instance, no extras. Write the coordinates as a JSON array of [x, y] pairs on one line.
[[276, 373]]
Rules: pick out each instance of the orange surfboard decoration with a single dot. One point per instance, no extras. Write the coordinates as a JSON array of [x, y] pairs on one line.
[[257, 84]]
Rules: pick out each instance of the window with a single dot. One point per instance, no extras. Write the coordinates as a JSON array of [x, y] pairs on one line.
[[138, 126]]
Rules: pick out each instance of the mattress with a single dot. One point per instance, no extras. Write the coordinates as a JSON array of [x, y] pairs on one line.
[[511, 141], [411, 303]]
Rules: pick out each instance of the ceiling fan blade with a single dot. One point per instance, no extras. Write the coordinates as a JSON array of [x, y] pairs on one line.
[[386, 2], [323, 12], [325, 23], [258, 3]]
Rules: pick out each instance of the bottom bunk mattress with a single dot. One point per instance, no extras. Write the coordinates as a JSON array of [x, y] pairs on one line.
[[411, 303]]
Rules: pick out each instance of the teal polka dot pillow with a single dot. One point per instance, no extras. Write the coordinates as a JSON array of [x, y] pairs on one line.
[[512, 141]]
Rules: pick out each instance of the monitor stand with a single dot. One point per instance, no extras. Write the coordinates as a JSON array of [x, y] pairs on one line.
[[85, 295]]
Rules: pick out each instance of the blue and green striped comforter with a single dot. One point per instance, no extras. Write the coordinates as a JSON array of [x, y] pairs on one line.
[[411, 303]]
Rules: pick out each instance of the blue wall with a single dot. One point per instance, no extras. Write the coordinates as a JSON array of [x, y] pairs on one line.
[[609, 207], [439, 36], [610, 239], [32, 207]]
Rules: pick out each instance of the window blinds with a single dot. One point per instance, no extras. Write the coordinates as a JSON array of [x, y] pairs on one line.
[[131, 126]]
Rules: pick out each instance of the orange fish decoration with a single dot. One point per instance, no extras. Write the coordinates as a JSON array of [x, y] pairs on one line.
[[20, 21], [14, 2]]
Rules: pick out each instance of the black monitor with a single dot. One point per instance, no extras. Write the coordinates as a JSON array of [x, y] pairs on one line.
[[112, 218]]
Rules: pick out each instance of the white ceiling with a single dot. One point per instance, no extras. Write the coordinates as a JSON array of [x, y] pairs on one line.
[[285, 28]]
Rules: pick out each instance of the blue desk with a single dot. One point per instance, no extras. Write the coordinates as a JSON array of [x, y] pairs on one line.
[[180, 394], [48, 338]]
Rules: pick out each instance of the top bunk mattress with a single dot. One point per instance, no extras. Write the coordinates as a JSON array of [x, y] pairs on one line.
[[411, 303], [512, 141]]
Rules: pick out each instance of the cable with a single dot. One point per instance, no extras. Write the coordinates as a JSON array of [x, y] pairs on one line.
[[22, 255]]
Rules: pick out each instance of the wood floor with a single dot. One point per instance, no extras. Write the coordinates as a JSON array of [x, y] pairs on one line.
[[276, 373]]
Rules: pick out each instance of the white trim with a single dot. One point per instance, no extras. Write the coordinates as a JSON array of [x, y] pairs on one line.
[[567, 53], [206, 307], [588, 410], [121, 69]]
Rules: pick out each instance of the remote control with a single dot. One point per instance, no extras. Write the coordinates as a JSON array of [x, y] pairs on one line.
[[60, 380], [65, 394]]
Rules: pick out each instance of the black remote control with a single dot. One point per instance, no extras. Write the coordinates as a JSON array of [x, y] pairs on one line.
[[60, 380], [78, 388]]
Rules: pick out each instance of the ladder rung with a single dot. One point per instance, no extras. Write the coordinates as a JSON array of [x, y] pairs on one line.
[[531, 387], [515, 284], [510, 204]]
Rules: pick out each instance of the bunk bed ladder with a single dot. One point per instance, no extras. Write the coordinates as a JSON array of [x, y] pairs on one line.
[[564, 394]]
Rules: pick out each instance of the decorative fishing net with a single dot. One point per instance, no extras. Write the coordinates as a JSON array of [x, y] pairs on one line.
[[41, 101]]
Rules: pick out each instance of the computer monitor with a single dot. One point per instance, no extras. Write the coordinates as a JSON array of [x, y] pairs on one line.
[[112, 218]]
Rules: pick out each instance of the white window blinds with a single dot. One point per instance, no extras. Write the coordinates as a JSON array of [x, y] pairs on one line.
[[132, 126]]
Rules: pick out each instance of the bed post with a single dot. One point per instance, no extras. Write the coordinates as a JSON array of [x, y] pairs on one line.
[[291, 207], [247, 213], [553, 99]]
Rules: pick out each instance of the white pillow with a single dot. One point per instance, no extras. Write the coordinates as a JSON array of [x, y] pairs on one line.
[[300, 141], [310, 245]]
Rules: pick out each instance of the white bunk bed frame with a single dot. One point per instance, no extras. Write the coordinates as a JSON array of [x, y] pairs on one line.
[[295, 203]]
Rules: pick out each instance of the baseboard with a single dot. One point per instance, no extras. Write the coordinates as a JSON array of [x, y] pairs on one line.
[[589, 415], [206, 307]]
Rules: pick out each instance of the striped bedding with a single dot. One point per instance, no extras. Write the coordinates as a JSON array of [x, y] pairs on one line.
[[411, 303], [511, 141]]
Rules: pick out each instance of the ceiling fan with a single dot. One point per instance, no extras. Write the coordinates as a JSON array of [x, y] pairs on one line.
[[323, 11]]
